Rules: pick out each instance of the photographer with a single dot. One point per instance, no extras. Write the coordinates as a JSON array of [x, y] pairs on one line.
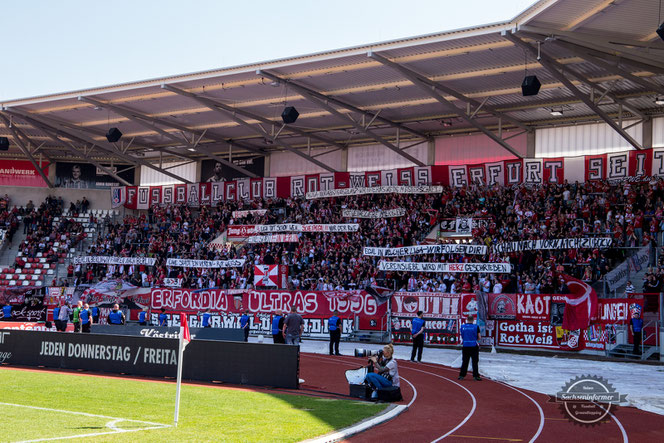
[[386, 371]]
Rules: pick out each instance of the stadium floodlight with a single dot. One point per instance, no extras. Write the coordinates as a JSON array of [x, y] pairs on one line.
[[659, 101], [556, 112]]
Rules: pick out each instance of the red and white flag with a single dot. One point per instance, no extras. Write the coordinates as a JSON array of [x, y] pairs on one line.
[[184, 330], [580, 305]]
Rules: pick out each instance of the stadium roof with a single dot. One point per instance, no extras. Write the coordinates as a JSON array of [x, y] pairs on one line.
[[597, 60]]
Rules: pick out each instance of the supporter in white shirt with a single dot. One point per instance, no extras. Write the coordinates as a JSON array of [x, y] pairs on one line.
[[497, 287]]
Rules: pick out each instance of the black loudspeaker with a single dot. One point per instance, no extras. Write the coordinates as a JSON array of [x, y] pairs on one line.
[[530, 86], [289, 115], [660, 31], [4, 144], [113, 135]]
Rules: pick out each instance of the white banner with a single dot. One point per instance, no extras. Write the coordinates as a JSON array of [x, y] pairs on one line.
[[187, 263], [294, 227], [241, 214], [173, 282], [108, 260], [619, 275], [464, 225], [425, 189], [560, 243], [490, 268], [426, 250], [380, 213], [274, 238]]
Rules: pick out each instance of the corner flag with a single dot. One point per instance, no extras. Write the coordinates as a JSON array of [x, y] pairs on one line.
[[185, 338]]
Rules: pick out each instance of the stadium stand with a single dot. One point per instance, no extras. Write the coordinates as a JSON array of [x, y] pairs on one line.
[[631, 214]]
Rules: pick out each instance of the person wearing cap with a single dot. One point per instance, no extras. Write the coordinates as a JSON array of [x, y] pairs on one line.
[[470, 336]]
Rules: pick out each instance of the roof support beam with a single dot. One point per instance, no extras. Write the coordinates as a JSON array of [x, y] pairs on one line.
[[430, 88], [25, 150], [322, 101], [556, 70], [143, 121], [81, 136], [447, 90], [340, 103], [74, 150], [601, 45], [213, 106], [594, 59]]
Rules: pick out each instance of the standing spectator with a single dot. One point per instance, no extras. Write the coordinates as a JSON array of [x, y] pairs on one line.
[[629, 289], [418, 336], [497, 287], [293, 327], [77, 318], [205, 322], [116, 316], [86, 318], [277, 327], [335, 332], [63, 316], [470, 336], [143, 317], [7, 312], [95, 315], [56, 317], [636, 326], [163, 318], [244, 324]]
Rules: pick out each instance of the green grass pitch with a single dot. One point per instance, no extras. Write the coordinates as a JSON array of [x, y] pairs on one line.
[[115, 409]]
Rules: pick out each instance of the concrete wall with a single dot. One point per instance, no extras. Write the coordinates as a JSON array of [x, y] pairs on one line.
[[20, 195]]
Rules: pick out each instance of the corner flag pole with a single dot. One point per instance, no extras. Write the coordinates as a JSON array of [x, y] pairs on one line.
[[184, 340]]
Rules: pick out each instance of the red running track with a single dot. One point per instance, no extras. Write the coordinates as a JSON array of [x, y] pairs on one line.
[[469, 411]]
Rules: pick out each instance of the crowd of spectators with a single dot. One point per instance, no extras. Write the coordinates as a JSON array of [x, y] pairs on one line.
[[632, 214]]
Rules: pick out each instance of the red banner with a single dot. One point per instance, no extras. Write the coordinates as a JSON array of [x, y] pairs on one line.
[[21, 173], [240, 231], [440, 310], [502, 306], [533, 307], [526, 335], [31, 326], [310, 304], [618, 310]]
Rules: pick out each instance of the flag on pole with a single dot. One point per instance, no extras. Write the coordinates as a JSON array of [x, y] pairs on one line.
[[184, 325], [580, 306], [185, 338]]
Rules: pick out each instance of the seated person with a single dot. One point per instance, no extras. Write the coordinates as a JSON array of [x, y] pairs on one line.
[[386, 371]]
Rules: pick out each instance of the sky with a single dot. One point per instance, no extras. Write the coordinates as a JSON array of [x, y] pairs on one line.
[[68, 45]]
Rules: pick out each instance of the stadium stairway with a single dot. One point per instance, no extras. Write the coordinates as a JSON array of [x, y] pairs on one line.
[[625, 351], [8, 255]]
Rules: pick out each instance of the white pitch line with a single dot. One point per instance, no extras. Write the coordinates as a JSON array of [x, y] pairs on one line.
[[541, 413], [111, 424]]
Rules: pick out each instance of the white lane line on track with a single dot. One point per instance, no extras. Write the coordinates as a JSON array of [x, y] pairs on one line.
[[541, 412], [472, 410], [622, 429]]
